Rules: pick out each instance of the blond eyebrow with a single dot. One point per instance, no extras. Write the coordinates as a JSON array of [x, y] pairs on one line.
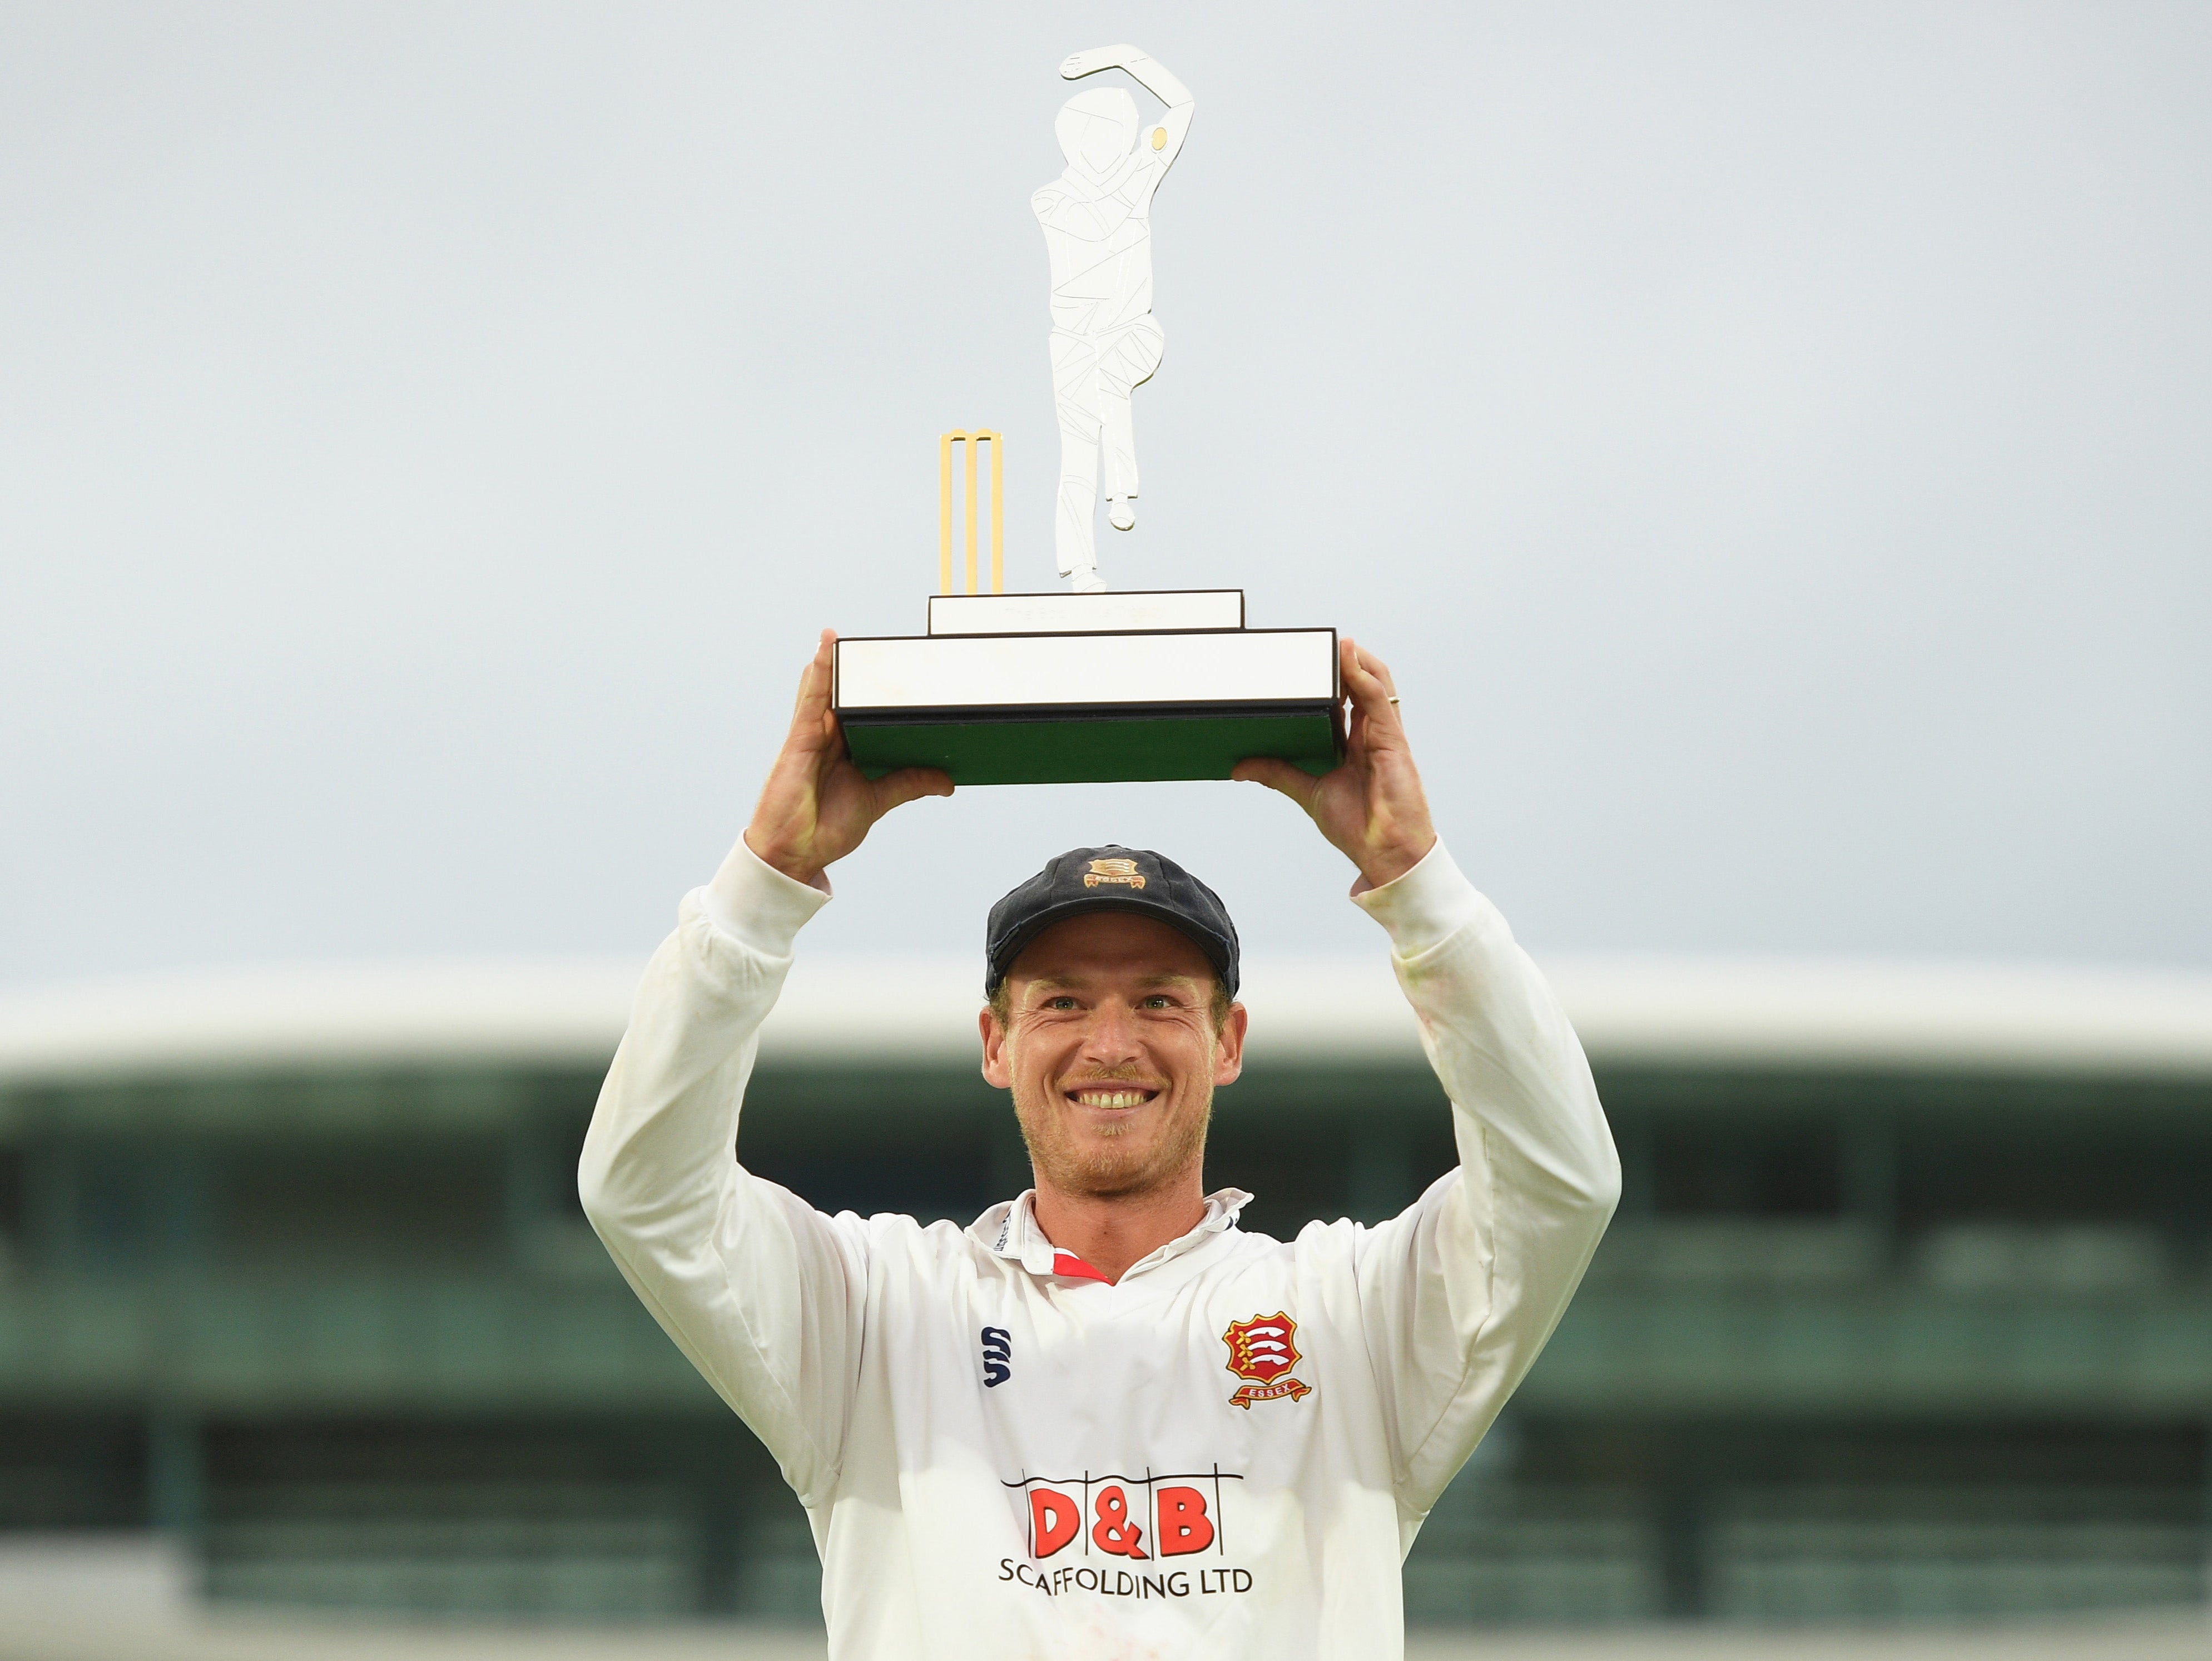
[[1053, 980], [1077, 981]]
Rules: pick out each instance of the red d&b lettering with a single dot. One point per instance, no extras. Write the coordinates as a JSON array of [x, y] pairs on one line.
[[1114, 1531], [1184, 1527], [1053, 1519]]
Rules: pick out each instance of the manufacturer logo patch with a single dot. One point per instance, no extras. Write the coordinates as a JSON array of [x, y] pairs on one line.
[[998, 1356], [1264, 1350], [1123, 872]]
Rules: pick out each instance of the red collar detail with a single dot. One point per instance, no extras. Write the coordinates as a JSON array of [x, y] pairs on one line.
[[1067, 1263]]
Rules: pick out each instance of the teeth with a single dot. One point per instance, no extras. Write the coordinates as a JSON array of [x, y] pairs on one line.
[[1111, 1097]]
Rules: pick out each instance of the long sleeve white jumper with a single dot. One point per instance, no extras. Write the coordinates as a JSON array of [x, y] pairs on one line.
[[1225, 1454]]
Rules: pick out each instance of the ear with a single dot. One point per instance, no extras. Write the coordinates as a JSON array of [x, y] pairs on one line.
[[995, 1073], [1229, 1045]]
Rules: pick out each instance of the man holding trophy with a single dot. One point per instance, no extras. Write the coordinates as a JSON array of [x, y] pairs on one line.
[[1104, 1419]]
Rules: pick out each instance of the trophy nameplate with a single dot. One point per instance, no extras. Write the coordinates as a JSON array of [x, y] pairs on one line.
[[1088, 685]]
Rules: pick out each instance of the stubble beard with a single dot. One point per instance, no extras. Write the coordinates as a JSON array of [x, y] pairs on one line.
[[1107, 1173]]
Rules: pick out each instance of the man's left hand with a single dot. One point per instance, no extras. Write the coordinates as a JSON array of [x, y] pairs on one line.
[[1372, 808]]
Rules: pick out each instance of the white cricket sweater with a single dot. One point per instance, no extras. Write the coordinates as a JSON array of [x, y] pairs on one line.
[[1226, 1454]]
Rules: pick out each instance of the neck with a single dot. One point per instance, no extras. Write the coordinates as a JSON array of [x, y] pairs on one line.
[[1112, 1232]]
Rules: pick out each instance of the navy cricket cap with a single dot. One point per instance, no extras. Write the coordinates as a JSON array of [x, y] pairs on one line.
[[1110, 879]]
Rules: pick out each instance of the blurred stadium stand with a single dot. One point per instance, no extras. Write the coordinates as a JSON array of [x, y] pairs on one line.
[[1907, 1315]]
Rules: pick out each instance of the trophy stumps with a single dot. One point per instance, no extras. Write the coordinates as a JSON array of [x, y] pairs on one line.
[[1092, 688]]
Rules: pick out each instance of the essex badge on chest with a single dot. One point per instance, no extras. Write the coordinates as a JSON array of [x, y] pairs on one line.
[[1264, 1350]]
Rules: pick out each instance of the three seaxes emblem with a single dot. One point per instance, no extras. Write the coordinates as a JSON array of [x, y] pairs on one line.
[[1264, 1350]]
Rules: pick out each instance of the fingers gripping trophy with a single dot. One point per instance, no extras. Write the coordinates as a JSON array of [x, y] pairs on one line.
[[1098, 225]]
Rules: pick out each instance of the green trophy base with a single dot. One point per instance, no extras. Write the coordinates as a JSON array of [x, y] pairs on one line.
[[1096, 747]]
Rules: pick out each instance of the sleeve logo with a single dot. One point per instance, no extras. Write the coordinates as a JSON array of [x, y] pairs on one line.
[[1264, 1350]]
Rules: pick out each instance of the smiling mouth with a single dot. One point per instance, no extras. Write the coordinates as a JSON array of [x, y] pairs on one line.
[[1110, 1096]]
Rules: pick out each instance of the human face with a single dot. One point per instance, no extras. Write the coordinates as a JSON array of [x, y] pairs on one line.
[[1111, 1053]]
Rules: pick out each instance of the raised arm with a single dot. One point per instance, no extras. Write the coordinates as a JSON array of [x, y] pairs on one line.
[[759, 1290], [1174, 126], [1458, 1294]]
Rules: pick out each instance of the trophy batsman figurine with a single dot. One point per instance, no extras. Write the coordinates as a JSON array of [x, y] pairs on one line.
[[1097, 217]]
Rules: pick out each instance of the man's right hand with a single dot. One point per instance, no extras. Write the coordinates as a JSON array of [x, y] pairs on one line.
[[817, 807]]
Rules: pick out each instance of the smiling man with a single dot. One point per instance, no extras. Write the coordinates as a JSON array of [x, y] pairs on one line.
[[1104, 1419]]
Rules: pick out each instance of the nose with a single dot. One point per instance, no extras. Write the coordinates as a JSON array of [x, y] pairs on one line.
[[1109, 1038]]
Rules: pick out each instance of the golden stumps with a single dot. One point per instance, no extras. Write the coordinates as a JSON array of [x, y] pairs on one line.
[[944, 510]]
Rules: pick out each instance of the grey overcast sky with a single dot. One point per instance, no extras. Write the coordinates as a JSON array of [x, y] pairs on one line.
[[1769, 441]]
